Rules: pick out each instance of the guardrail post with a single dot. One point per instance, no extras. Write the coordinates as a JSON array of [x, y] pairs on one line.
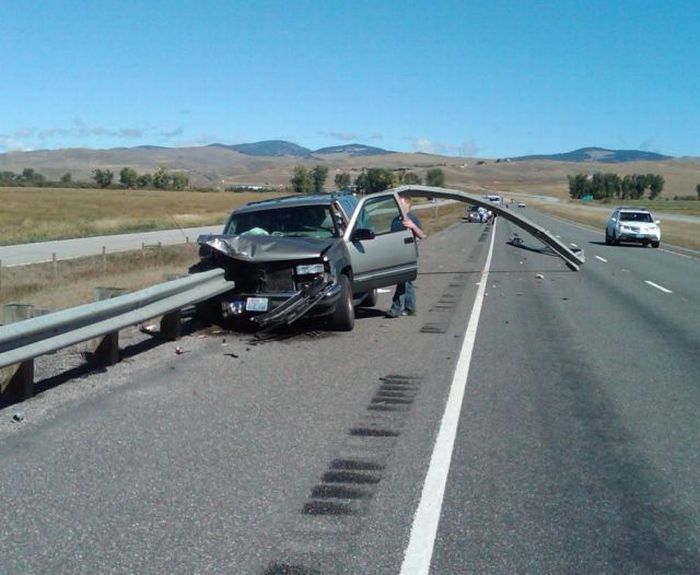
[[103, 293], [39, 311], [17, 381], [107, 351], [19, 384], [171, 325], [13, 312]]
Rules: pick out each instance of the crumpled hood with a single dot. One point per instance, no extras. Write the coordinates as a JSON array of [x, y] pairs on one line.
[[266, 248]]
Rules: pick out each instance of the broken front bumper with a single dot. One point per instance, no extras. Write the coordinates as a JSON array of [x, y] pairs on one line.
[[318, 298]]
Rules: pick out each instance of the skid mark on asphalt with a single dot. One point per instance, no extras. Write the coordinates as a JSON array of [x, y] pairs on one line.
[[441, 313], [331, 514]]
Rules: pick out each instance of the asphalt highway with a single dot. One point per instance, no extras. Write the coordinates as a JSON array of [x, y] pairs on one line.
[[574, 419], [39, 252]]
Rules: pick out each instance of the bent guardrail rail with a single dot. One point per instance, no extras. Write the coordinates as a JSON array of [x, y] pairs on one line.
[[23, 341], [573, 259]]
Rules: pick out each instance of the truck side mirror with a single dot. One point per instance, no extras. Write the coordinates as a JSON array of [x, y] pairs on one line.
[[362, 234]]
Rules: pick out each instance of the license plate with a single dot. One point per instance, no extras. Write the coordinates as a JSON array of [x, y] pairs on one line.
[[256, 304], [640, 236]]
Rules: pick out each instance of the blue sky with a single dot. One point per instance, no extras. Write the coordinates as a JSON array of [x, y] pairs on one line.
[[491, 78]]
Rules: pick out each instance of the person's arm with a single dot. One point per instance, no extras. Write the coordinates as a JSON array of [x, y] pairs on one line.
[[410, 223]]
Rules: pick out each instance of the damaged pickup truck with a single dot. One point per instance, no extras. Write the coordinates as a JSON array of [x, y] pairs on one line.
[[313, 255]]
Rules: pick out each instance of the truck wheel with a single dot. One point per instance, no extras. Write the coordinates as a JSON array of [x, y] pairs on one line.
[[343, 317], [655, 244], [209, 311], [370, 299]]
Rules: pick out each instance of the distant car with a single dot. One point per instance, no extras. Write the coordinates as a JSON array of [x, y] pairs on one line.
[[473, 214], [633, 225], [521, 204], [478, 214]]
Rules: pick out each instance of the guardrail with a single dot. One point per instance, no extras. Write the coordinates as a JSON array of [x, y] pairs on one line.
[[22, 342], [573, 259]]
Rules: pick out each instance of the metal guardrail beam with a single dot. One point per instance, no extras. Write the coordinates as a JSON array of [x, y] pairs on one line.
[[23, 341], [572, 259]]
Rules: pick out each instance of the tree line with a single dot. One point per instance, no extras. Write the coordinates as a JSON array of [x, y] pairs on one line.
[[161, 179], [608, 185], [312, 180], [30, 177]]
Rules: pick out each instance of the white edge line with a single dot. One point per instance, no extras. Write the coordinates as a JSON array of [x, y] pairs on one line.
[[419, 551], [658, 287]]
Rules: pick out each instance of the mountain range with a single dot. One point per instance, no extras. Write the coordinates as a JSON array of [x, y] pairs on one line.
[[270, 162], [276, 148]]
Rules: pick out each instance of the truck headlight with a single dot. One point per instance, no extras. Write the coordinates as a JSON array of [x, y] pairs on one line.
[[309, 269]]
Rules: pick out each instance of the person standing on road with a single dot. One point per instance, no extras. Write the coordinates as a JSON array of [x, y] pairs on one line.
[[404, 300]]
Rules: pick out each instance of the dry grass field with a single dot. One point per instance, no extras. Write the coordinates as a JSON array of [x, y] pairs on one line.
[[550, 178], [40, 214], [69, 283]]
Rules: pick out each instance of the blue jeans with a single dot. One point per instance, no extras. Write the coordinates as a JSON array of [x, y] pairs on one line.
[[404, 299]]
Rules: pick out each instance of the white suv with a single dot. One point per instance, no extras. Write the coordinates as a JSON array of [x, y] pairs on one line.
[[633, 225]]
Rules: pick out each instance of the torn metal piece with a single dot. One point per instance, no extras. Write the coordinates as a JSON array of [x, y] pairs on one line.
[[296, 306]]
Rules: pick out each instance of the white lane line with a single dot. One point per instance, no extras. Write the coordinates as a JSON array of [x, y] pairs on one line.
[[602, 259], [416, 560], [658, 287]]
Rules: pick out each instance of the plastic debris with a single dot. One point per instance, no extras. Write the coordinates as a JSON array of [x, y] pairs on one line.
[[539, 276], [18, 417]]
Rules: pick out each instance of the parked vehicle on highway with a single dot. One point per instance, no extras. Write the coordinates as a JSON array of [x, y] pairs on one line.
[[521, 204], [472, 214], [478, 214], [309, 255], [633, 225]]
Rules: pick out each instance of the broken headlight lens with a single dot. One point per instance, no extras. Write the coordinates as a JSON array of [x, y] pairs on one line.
[[308, 269]]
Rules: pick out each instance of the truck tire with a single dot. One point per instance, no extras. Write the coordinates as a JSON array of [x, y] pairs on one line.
[[343, 317], [370, 300]]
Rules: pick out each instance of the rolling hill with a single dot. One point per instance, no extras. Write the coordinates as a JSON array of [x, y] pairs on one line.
[[271, 163], [601, 155]]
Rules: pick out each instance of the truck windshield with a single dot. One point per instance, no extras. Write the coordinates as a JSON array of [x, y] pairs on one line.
[[298, 221]]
